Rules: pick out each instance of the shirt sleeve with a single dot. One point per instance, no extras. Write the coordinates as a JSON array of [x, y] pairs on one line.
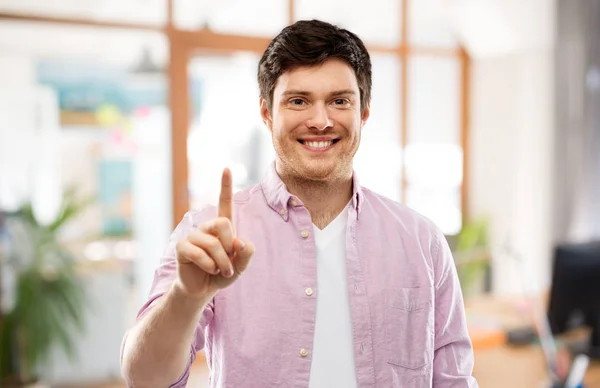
[[164, 275], [453, 352]]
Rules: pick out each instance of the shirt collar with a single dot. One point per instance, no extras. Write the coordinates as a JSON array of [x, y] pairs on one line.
[[278, 197]]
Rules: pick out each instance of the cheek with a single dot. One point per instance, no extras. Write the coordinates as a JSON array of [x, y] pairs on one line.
[[285, 124], [348, 118]]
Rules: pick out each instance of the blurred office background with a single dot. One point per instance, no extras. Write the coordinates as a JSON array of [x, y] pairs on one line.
[[484, 119]]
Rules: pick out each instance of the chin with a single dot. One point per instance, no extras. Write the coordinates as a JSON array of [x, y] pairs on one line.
[[318, 172]]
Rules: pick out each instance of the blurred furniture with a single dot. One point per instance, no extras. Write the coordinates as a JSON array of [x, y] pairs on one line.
[[519, 367], [574, 292], [500, 365]]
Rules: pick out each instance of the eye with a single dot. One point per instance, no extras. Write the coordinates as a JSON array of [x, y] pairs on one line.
[[340, 101], [297, 101]]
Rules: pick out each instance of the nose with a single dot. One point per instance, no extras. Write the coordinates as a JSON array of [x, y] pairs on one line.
[[319, 119]]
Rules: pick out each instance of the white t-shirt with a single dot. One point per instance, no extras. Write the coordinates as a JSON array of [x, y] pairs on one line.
[[333, 353]]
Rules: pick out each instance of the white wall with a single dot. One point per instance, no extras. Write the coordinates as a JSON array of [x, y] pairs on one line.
[[17, 128], [512, 130], [511, 160], [151, 196]]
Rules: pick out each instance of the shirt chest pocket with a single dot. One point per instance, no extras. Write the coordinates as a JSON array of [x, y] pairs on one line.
[[409, 327]]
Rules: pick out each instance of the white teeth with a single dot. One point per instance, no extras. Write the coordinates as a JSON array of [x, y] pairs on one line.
[[319, 144]]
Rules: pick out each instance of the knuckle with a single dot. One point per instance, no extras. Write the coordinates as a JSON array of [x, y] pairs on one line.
[[213, 244], [179, 245], [210, 266], [193, 236], [222, 223], [195, 254]]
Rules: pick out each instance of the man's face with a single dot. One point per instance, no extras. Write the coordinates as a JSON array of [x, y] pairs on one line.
[[316, 120]]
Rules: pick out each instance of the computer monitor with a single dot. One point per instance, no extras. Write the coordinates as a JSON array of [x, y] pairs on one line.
[[575, 292]]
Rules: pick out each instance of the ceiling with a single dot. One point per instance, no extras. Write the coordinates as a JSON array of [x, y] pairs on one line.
[[492, 28], [484, 27]]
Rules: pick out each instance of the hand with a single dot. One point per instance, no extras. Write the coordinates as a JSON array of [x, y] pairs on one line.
[[212, 257]]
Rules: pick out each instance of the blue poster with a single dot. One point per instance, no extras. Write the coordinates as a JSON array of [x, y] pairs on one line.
[[114, 196]]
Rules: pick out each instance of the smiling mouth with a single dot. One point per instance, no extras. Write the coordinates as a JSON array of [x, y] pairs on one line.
[[319, 144]]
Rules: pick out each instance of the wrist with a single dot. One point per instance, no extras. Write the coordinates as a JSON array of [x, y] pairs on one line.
[[182, 297]]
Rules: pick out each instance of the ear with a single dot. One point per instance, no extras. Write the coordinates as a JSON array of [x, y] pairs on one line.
[[265, 114], [365, 114]]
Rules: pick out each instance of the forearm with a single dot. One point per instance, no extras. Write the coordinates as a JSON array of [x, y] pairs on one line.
[[157, 349]]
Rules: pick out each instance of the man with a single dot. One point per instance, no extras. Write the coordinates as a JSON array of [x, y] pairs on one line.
[[307, 279]]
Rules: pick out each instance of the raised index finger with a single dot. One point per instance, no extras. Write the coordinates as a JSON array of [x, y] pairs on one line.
[[226, 197]]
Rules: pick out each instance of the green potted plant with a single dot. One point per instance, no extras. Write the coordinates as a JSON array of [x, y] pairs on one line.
[[47, 299], [472, 254]]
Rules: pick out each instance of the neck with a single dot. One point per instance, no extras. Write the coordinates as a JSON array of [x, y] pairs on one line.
[[324, 199]]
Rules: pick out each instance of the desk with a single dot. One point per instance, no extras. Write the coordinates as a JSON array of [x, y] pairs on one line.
[[503, 365]]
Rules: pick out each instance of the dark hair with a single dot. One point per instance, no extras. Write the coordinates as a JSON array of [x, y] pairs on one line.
[[310, 43]]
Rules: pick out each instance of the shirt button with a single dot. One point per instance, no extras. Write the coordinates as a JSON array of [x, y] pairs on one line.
[[304, 233], [303, 352], [308, 291], [282, 212], [294, 202]]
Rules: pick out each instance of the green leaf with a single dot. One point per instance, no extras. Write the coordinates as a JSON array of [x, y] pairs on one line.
[[50, 302]]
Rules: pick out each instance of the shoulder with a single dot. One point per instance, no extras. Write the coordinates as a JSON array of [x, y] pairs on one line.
[[398, 214], [414, 228]]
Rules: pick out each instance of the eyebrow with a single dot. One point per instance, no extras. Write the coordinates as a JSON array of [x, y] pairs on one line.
[[294, 92]]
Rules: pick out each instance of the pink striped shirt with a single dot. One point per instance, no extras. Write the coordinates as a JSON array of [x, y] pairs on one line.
[[408, 320]]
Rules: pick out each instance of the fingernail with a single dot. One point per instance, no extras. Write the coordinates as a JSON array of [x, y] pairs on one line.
[[242, 245], [229, 273], [216, 272]]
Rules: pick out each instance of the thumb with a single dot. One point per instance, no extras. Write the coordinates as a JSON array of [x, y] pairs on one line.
[[244, 250]]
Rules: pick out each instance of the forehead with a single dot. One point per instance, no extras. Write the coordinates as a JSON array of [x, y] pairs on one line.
[[333, 74]]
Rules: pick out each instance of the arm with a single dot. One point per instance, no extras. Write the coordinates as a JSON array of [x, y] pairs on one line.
[[201, 258], [169, 330], [453, 357], [160, 347]]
